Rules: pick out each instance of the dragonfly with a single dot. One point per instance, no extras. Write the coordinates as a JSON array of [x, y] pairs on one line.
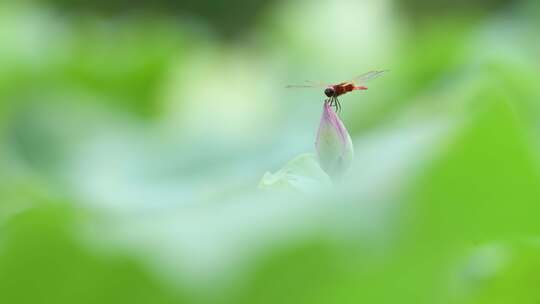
[[333, 91]]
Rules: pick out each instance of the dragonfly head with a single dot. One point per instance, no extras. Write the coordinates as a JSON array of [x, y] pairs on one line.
[[329, 92]]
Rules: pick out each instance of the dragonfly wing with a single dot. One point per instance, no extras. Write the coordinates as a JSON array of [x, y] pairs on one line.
[[318, 84], [309, 84], [295, 86], [368, 76]]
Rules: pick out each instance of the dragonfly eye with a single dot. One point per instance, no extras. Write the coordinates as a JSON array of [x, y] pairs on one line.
[[329, 92]]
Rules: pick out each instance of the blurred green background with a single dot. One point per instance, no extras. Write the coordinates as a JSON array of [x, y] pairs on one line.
[[133, 135]]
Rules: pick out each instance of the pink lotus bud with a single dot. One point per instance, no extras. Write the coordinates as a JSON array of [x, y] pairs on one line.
[[334, 145]]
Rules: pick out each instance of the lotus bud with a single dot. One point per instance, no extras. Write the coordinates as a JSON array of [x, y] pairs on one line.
[[334, 145]]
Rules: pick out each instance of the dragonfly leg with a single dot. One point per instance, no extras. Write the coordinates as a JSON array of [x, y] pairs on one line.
[[338, 105], [333, 102]]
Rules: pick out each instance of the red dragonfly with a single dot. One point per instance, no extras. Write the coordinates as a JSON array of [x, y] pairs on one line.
[[333, 91]]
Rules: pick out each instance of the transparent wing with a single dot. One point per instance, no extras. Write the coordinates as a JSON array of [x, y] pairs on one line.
[[309, 84], [296, 86], [368, 76]]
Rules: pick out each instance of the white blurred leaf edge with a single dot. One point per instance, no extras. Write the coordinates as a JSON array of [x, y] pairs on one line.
[[302, 174]]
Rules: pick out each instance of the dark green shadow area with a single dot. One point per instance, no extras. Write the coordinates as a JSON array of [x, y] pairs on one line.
[[40, 262]]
